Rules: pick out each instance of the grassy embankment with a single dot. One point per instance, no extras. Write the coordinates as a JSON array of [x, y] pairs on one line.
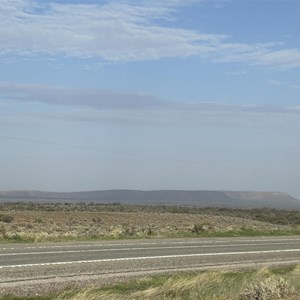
[[262, 284], [34, 222]]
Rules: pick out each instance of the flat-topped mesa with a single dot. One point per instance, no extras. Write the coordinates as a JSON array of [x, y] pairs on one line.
[[198, 198]]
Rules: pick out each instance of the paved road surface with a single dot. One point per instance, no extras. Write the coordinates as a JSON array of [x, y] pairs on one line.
[[25, 268]]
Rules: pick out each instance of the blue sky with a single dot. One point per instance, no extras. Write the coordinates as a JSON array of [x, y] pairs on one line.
[[195, 94]]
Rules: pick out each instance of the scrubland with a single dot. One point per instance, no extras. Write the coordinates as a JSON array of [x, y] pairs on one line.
[[37, 222]]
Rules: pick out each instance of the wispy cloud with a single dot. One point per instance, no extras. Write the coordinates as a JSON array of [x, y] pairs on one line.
[[122, 31], [113, 31], [105, 103], [284, 84], [283, 58], [275, 82], [236, 73], [94, 98], [295, 86]]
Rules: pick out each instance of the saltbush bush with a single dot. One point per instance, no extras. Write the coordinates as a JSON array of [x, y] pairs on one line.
[[6, 218], [268, 289]]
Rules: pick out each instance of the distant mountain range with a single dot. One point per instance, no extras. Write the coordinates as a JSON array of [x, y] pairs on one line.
[[227, 199]]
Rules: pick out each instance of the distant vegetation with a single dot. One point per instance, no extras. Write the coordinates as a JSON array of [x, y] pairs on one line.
[[28, 222], [274, 216]]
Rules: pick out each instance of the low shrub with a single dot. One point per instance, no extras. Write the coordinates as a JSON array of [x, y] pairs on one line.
[[6, 218], [201, 227], [268, 289]]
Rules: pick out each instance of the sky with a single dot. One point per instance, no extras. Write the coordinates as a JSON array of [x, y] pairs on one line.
[[136, 94]]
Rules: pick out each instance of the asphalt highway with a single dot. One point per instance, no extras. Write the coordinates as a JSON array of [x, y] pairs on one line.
[[25, 268]]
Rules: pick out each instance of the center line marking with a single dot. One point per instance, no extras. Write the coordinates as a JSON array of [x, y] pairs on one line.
[[147, 257], [196, 241], [136, 248]]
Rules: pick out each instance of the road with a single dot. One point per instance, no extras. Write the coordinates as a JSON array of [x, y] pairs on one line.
[[25, 268]]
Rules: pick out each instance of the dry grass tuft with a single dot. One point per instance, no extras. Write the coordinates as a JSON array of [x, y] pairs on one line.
[[262, 284]]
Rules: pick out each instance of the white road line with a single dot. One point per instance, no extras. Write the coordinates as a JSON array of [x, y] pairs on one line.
[[112, 244], [148, 257], [198, 241], [97, 245], [136, 248], [95, 250]]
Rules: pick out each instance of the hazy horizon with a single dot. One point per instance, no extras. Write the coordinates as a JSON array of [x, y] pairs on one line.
[[127, 94]]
